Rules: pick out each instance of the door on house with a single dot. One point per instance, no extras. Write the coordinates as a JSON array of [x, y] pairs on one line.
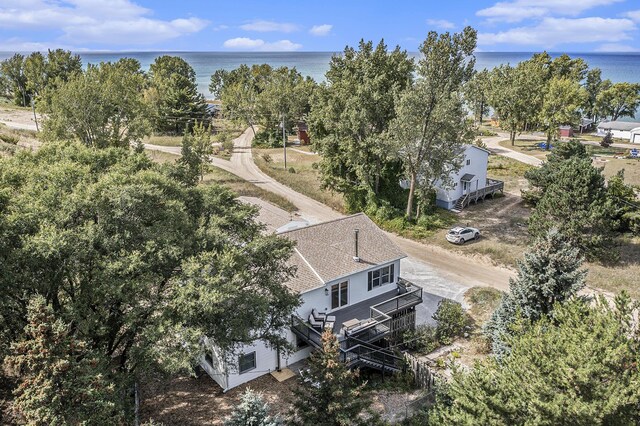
[[339, 294], [465, 187]]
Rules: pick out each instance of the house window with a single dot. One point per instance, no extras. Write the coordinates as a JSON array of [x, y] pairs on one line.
[[247, 362], [468, 162], [465, 186], [339, 294], [381, 276]]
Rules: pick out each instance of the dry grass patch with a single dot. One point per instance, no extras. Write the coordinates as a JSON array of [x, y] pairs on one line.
[[526, 146], [299, 175], [510, 171], [190, 401], [163, 140], [244, 188], [161, 157], [614, 165]]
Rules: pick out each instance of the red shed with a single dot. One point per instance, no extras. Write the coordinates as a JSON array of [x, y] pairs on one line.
[[566, 132], [303, 133]]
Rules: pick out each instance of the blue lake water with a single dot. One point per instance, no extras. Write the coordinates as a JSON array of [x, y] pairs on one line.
[[615, 66]]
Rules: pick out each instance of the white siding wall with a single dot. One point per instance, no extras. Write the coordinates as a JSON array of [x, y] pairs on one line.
[[477, 167], [266, 359], [218, 369], [358, 292]]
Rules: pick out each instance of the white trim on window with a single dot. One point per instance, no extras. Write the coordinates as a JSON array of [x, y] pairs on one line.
[[249, 359]]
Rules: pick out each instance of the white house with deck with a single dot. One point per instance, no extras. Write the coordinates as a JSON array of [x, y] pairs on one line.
[[470, 183], [348, 276]]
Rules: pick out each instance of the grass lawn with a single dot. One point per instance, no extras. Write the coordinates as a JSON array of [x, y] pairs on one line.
[[526, 146], [305, 180], [163, 140], [613, 165], [510, 171], [244, 188]]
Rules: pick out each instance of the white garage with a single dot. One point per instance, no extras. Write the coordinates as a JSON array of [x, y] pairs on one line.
[[629, 130]]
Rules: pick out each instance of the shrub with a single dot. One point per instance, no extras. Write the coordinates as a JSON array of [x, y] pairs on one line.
[[315, 165], [422, 339], [291, 170], [607, 140], [267, 158], [227, 145], [452, 321]]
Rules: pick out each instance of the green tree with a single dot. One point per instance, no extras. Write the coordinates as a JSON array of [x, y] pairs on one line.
[[476, 94], [350, 113], [576, 203], [142, 266], [550, 273], [174, 98], [252, 411], [196, 152], [574, 69], [61, 381], [238, 91], [451, 321], [561, 105], [333, 396], [623, 200], [580, 367], [430, 124], [12, 71], [619, 100], [517, 93], [594, 85], [101, 107]]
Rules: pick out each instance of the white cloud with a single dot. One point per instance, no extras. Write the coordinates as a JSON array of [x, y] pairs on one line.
[[551, 32], [95, 21], [321, 30], [441, 24], [245, 43], [633, 14], [615, 47], [519, 10], [269, 26]]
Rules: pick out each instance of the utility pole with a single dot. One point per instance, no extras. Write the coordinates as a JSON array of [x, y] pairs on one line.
[[35, 117], [284, 142]]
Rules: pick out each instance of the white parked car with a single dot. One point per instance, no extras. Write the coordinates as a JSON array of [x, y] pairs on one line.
[[460, 235]]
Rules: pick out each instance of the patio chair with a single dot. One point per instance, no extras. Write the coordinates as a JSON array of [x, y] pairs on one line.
[[315, 323], [321, 316]]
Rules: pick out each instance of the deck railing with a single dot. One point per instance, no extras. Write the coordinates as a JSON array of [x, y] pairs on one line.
[[492, 186], [306, 331]]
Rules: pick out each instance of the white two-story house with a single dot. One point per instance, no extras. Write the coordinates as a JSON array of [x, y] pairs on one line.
[[348, 276], [470, 183]]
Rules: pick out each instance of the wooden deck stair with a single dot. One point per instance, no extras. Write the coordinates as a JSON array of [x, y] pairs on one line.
[[491, 188]]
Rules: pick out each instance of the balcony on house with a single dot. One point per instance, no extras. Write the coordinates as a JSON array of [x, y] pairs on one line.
[[368, 321]]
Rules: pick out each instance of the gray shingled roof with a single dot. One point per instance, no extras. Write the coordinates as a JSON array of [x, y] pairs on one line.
[[324, 252], [619, 125]]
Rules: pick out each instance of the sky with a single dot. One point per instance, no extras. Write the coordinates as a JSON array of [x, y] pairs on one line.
[[323, 25]]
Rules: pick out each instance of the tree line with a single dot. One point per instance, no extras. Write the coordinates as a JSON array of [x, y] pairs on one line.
[[106, 104]]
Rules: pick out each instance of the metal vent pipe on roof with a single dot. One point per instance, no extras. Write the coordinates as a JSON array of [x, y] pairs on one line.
[[355, 232]]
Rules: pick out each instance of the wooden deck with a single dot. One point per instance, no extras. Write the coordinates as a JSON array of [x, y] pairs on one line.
[[491, 188]]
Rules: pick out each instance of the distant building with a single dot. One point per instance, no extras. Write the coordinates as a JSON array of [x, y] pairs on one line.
[[628, 130], [303, 133], [566, 132]]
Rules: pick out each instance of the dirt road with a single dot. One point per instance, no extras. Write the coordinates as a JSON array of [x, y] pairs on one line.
[[493, 143], [459, 271]]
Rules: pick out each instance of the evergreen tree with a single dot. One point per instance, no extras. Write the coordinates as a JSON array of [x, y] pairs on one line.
[[252, 411], [61, 381], [581, 367], [576, 203], [174, 95], [550, 273], [333, 396]]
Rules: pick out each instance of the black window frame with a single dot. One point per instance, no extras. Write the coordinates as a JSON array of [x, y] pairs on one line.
[[340, 289], [468, 161], [243, 357], [381, 276]]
